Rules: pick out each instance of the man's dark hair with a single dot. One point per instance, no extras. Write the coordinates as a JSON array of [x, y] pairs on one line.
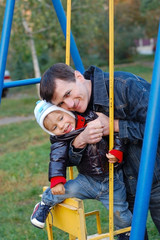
[[48, 81]]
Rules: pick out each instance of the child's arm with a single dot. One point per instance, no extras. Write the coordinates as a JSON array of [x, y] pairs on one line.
[[111, 158], [58, 162], [116, 154]]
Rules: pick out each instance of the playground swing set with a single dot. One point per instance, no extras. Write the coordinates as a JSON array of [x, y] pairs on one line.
[[69, 216]]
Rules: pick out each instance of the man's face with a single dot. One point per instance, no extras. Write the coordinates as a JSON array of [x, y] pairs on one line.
[[73, 96]]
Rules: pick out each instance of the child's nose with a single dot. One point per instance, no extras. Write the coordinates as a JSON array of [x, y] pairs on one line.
[[60, 125]]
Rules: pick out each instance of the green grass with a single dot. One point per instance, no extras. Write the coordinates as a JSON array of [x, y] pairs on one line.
[[24, 156], [143, 71], [20, 102]]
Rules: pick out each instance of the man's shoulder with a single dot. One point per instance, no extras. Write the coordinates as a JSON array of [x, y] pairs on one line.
[[91, 71]]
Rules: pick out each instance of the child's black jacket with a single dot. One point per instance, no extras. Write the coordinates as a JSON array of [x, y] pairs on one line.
[[93, 162]]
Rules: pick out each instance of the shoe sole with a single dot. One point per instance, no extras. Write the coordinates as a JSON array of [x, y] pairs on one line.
[[37, 224], [34, 221]]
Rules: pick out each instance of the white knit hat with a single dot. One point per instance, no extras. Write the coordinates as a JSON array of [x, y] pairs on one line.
[[42, 109]]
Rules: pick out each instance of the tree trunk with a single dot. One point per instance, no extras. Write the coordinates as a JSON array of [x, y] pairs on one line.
[[36, 67]]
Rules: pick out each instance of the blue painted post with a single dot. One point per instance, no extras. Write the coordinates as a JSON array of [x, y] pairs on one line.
[[24, 82], [7, 24], [149, 151], [62, 20]]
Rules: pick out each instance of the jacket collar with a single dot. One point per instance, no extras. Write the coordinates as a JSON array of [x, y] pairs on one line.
[[80, 122], [99, 91]]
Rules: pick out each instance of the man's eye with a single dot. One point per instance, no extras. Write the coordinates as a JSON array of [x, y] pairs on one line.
[[60, 104], [68, 93]]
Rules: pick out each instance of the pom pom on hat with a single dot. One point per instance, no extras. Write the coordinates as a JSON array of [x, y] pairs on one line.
[[43, 108]]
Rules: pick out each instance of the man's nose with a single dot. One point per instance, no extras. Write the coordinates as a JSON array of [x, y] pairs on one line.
[[69, 103]]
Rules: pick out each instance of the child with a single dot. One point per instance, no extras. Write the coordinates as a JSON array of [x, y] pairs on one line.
[[93, 179]]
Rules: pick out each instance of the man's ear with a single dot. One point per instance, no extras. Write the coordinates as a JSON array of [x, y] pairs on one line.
[[78, 76]]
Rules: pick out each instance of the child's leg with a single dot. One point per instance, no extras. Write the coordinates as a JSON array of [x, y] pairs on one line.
[[80, 187], [122, 216]]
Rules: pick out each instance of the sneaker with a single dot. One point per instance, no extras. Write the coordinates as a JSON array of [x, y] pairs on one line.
[[123, 236], [40, 214]]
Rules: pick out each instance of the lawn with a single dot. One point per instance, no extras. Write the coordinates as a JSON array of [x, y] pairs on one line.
[[24, 156]]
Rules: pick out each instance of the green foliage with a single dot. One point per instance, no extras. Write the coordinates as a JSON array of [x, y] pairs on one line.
[[90, 28], [149, 4]]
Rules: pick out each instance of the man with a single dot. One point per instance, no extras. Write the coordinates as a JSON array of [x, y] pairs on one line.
[[73, 91]]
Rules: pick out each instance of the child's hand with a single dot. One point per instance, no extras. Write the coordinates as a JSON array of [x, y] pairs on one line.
[[58, 189], [111, 158]]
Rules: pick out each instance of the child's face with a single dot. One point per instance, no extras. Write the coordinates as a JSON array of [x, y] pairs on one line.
[[59, 122]]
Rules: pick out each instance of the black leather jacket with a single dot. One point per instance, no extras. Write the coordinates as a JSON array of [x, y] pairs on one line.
[[92, 162]]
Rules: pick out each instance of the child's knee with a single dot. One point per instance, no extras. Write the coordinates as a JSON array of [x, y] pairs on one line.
[[123, 219]]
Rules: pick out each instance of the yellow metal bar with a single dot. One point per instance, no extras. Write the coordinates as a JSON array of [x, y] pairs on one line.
[[111, 114], [122, 230], [68, 31], [96, 212], [106, 235], [101, 236], [70, 172], [49, 230], [71, 237], [68, 42]]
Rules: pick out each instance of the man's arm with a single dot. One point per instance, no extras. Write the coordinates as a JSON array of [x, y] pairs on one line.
[[132, 101], [130, 114]]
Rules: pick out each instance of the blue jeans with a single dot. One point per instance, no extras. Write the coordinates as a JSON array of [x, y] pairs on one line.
[[86, 187]]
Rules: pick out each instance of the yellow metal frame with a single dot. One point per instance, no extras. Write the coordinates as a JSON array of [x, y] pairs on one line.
[[69, 216], [112, 233], [68, 43], [68, 32], [111, 114]]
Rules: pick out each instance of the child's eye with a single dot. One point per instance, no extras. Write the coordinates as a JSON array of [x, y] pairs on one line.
[[54, 128], [61, 118]]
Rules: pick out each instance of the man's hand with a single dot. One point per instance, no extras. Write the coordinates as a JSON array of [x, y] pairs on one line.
[[92, 134], [58, 189], [105, 122]]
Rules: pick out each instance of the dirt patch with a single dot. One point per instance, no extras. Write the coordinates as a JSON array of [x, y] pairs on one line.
[[8, 120]]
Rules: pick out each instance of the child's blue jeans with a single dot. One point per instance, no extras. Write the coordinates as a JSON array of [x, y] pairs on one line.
[[86, 187]]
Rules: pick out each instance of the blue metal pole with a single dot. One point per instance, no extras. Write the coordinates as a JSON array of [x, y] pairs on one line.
[[19, 83], [149, 151], [7, 23], [74, 50]]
